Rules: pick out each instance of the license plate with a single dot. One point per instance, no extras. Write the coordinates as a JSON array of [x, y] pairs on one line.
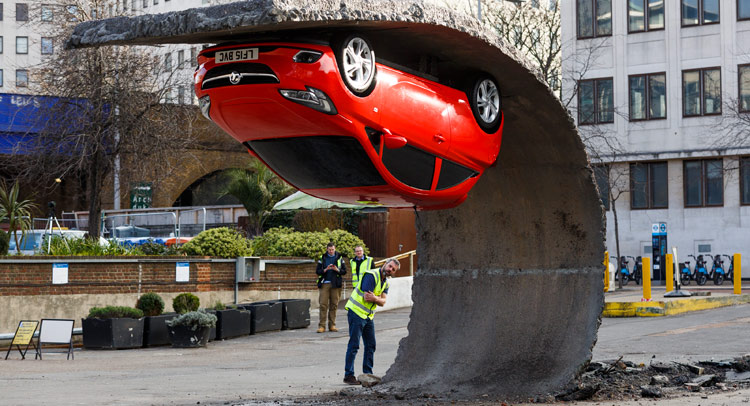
[[236, 55]]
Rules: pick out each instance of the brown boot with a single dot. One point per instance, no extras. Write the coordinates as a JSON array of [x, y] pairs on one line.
[[333, 329], [321, 329]]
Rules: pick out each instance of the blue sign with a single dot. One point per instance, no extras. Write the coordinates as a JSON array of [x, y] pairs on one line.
[[23, 116]]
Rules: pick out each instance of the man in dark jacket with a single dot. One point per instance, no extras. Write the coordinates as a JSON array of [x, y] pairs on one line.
[[331, 268]]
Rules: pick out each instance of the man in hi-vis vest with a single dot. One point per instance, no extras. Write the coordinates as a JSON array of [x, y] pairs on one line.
[[360, 264], [370, 293]]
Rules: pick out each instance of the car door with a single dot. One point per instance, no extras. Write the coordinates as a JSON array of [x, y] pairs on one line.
[[413, 108]]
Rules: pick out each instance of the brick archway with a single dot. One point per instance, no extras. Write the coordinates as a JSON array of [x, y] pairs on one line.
[[202, 163]]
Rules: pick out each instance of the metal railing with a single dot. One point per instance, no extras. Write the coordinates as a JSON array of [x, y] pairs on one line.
[[399, 257]]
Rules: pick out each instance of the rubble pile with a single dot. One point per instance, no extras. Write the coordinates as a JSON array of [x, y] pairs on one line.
[[624, 380]]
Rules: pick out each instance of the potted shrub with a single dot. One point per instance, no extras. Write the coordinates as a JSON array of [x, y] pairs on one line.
[[154, 322], [191, 329], [113, 327], [231, 322], [185, 302]]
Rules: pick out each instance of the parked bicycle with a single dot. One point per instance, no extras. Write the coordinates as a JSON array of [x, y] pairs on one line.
[[730, 271], [636, 274], [718, 274], [700, 274], [686, 274]]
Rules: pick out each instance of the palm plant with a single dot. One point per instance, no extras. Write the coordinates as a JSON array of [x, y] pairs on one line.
[[17, 212], [258, 189]]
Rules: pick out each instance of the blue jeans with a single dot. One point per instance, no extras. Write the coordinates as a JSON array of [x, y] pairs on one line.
[[364, 328]]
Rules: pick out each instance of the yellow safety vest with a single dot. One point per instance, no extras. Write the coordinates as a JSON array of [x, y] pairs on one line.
[[357, 303], [320, 277], [366, 266]]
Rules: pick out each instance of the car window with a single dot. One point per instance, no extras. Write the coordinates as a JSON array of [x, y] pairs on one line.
[[411, 166], [319, 162], [451, 174]]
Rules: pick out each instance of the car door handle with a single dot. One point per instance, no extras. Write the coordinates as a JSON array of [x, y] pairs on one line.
[[438, 138]]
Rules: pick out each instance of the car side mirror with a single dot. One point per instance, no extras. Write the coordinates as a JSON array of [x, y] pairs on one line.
[[393, 141]]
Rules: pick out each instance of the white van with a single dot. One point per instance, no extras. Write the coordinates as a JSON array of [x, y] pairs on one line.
[[31, 242]]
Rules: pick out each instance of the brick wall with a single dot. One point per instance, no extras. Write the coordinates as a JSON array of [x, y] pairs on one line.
[[98, 275]]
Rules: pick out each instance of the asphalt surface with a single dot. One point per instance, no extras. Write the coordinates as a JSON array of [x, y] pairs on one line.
[[301, 366]]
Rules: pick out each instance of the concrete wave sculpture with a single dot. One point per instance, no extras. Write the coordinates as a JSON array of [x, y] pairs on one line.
[[508, 292]]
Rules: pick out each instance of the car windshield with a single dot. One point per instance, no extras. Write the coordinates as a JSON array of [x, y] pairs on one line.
[[319, 162]]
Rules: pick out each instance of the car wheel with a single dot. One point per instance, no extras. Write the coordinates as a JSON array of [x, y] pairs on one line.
[[356, 62], [485, 103]]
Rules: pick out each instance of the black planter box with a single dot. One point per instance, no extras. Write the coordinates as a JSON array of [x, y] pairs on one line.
[[265, 316], [186, 337], [155, 330], [212, 333], [232, 323], [112, 333], [295, 313]]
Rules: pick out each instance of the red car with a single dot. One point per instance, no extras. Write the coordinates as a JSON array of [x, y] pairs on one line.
[[338, 124]]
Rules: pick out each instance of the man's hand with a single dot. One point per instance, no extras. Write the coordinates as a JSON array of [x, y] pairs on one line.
[[369, 297]]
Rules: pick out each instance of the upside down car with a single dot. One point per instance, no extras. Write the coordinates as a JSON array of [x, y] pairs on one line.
[[337, 123]]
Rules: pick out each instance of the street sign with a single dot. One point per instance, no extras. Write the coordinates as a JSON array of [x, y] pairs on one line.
[[141, 195]]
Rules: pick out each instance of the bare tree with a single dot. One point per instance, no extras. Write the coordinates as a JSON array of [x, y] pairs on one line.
[[108, 105], [534, 29]]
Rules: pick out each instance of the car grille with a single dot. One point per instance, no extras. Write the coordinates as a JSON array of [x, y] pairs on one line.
[[242, 73]]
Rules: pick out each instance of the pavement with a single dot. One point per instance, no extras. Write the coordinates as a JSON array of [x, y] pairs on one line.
[[629, 301]]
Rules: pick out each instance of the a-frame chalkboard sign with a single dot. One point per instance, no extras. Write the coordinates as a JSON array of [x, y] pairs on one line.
[[24, 336]]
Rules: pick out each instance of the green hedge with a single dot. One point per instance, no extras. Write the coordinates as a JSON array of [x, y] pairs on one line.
[[115, 312], [218, 242], [285, 242]]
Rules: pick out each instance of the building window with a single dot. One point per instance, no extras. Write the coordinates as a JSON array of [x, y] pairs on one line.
[[699, 12], [704, 183], [601, 174], [645, 15], [47, 46], [132, 5], [168, 61], [743, 81], [648, 96], [181, 58], [22, 45], [743, 9], [22, 12], [145, 3], [648, 185], [594, 18], [1, 78], [744, 178], [193, 54], [595, 101], [701, 92], [156, 2], [47, 13], [181, 95], [1, 11], [1, 44], [22, 78]]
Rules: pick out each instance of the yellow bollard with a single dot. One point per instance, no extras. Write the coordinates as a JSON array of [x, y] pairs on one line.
[[606, 271], [669, 273], [646, 272], [737, 274]]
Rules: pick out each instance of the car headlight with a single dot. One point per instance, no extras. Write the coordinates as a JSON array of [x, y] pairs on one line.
[[205, 104], [313, 98], [307, 56]]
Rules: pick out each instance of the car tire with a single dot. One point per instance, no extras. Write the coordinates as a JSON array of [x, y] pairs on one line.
[[355, 58], [486, 103]]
